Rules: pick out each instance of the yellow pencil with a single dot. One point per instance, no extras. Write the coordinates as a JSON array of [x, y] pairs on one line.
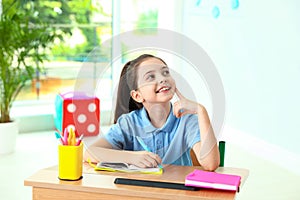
[[73, 139]]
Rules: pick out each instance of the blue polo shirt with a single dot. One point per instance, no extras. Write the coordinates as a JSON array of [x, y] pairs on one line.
[[172, 142]]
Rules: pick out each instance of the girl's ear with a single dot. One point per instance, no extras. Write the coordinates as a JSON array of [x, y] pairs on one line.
[[136, 95]]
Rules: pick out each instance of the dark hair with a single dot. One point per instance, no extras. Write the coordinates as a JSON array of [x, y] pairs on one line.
[[128, 82]]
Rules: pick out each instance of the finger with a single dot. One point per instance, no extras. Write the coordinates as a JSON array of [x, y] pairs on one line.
[[180, 96], [150, 163], [143, 159], [156, 159], [141, 165], [148, 160], [177, 109], [175, 98], [182, 113], [176, 112]]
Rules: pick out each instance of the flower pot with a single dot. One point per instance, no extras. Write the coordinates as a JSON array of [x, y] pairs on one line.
[[8, 137]]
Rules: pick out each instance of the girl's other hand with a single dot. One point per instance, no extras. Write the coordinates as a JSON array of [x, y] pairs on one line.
[[144, 159], [184, 106]]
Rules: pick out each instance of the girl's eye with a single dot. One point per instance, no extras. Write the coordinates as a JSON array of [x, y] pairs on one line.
[[166, 73], [150, 77]]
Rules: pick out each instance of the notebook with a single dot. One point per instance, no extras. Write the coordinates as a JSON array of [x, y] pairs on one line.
[[205, 179], [124, 167]]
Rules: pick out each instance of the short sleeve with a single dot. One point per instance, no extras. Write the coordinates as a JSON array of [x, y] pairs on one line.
[[115, 137], [192, 135], [119, 134]]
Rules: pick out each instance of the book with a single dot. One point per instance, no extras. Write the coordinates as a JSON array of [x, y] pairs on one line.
[[205, 179], [125, 167]]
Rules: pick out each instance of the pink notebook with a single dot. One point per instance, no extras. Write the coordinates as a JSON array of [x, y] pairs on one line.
[[205, 179]]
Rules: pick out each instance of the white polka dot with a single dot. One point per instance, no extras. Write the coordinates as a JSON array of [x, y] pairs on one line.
[[71, 108], [92, 107], [91, 128], [81, 118], [71, 126]]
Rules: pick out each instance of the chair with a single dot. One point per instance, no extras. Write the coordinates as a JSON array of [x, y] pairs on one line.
[[222, 155]]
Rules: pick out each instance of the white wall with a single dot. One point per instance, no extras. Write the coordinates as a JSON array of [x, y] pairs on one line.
[[256, 51]]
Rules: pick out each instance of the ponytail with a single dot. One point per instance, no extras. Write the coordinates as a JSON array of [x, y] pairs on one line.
[[125, 103]]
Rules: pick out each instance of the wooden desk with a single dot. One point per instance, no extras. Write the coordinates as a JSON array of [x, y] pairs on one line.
[[100, 185]]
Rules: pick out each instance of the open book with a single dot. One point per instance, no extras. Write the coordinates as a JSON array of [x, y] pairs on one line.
[[124, 167], [205, 179]]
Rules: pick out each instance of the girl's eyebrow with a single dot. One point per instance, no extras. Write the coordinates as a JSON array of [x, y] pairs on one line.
[[148, 72], [162, 68]]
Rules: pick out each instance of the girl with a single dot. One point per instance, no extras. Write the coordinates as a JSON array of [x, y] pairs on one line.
[[143, 109]]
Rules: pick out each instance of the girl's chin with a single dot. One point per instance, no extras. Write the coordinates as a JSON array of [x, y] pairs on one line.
[[163, 97]]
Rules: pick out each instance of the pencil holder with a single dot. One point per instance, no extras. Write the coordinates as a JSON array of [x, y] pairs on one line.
[[70, 162]]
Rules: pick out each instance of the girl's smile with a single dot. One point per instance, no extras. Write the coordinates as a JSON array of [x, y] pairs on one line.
[[163, 89]]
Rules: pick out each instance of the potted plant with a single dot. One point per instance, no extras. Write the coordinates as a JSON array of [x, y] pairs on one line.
[[22, 49]]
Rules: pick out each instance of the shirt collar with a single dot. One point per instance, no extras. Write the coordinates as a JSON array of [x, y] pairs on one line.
[[167, 127]]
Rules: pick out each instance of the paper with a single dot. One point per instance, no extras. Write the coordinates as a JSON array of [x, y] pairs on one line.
[[124, 167]]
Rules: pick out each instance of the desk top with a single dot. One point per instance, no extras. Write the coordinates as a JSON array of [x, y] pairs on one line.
[[103, 182]]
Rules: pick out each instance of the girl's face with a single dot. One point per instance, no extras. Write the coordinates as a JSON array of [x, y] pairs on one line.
[[155, 84]]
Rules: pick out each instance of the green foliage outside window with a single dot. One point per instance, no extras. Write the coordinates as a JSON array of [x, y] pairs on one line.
[[147, 20], [64, 15]]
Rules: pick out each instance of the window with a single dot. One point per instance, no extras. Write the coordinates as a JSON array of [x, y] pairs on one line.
[[90, 22], [67, 57]]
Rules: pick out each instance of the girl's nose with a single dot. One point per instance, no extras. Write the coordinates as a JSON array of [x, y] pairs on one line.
[[163, 81]]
